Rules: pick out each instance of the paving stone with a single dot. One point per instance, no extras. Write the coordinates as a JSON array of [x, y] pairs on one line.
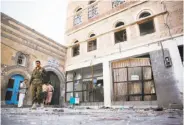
[[58, 116]]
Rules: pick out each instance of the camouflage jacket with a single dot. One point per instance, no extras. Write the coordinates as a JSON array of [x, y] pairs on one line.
[[38, 76]]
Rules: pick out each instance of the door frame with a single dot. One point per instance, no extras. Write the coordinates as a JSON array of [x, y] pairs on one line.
[[15, 89]]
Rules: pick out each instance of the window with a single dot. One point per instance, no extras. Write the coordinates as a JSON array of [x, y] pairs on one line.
[[21, 59], [76, 49], [85, 83], [116, 3], [146, 27], [180, 48], [133, 80], [120, 36], [78, 18], [92, 10], [92, 45]]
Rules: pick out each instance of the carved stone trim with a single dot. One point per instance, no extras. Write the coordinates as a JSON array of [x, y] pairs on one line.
[[33, 46], [5, 19], [28, 41]]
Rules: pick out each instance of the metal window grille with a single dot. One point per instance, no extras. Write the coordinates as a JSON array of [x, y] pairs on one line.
[[92, 11], [116, 3], [77, 19]]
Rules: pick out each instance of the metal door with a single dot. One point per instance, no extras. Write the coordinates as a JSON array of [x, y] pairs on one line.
[[12, 92]]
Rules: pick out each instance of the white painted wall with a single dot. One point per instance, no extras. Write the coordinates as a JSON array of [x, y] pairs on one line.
[[172, 46], [133, 51]]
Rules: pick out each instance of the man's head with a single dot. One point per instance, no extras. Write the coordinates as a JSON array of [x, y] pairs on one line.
[[25, 80], [38, 63]]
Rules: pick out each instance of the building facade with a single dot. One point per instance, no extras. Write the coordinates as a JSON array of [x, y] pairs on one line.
[[123, 52], [21, 46]]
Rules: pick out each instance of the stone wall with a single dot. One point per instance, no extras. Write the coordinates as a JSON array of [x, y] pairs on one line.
[[18, 38]]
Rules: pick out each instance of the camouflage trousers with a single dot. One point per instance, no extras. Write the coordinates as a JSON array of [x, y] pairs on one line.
[[36, 93]]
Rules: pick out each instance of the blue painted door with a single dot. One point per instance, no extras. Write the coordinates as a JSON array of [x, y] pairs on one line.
[[12, 92]]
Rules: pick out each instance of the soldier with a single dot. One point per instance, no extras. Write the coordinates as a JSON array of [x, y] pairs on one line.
[[36, 81]]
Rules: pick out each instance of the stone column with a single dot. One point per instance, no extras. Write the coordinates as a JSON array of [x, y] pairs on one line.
[[107, 83]]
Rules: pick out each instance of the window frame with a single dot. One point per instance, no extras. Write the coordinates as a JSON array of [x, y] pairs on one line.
[[145, 22], [93, 43], [93, 11], [120, 24], [74, 47], [83, 90], [78, 17]]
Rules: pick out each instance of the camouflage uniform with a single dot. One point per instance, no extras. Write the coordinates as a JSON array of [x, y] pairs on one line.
[[36, 82]]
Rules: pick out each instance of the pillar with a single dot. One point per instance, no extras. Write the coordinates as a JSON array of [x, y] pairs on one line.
[[107, 83]]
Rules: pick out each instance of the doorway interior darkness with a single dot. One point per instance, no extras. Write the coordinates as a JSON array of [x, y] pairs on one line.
[[56, 84]]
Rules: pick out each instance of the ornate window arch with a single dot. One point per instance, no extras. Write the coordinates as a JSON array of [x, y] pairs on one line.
[[119, 23], [145, 12]]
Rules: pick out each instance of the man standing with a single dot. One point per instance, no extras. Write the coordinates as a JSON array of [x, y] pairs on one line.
[[36, 82], [22, 92], [50, 93]]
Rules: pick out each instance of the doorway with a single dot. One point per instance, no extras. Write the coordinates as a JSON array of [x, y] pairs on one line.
[[12, 92], [55, 82]]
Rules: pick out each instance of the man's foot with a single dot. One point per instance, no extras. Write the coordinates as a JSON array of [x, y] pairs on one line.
[[42, 105], [34, 106]]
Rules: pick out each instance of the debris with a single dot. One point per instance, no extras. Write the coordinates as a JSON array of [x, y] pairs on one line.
[[158, 109], [103, 107], [58, 110]]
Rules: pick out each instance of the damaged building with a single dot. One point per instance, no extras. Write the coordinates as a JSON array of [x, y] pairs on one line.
[[21, 46], [129, 53], [124, 52]]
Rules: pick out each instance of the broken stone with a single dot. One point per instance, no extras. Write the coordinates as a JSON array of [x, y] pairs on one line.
[[158, 109], [58, 110]]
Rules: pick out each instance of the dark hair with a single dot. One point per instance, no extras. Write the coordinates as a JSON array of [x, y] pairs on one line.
[[38, 61]]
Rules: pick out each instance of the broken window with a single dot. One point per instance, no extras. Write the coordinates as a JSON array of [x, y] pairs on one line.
[[78, 17], [92, 10], [87, 84], [116, 3], [76, 49], [92, 45], [120, 36], [180, 48], [146, 27]]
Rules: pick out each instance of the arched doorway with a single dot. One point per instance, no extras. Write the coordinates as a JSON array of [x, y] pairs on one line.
[[12, 91], [56, 84]]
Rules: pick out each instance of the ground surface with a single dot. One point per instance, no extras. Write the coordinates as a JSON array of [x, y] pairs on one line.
[[56, 116]]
